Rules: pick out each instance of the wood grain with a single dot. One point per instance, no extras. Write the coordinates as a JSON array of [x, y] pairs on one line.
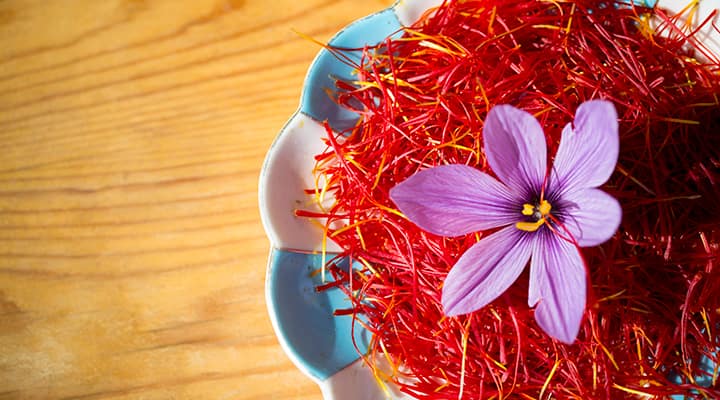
[[132, 132]]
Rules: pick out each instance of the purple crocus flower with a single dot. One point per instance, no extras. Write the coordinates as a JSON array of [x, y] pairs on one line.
[[543, 216]]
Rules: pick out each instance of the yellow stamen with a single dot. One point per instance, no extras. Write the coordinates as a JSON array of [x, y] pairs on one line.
[[544, 208], [528, 209], [530, 226]]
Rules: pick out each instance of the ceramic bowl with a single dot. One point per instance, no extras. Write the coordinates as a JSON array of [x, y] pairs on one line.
[[319, 344]]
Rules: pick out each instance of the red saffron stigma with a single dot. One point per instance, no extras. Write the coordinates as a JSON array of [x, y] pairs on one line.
[[653, 307]]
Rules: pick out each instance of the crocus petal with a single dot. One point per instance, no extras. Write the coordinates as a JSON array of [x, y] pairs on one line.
[[453, 200], [588, 151], [562, 292], [592, 216], [486, 270], [537, 271], [515, 148]]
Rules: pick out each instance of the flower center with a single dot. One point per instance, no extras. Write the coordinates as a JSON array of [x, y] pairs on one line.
[[538, 211]]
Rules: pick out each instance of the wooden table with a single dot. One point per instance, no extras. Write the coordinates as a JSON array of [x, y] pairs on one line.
[[132, 256]]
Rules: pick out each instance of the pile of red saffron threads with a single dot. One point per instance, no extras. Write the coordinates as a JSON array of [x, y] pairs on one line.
[[653, 313]]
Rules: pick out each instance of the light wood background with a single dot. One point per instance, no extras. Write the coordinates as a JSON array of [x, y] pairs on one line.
[[132, 133]]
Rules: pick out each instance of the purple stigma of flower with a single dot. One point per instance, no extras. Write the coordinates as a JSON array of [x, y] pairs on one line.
[[543, 216]]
